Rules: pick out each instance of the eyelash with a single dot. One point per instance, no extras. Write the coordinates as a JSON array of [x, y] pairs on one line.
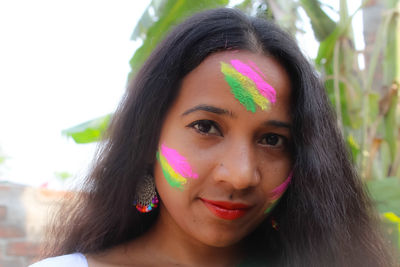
[[209, 123], [282, 140]]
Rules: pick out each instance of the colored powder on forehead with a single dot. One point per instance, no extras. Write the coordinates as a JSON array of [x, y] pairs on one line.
[[240, 93], [264, 88], [243, 88], [255, 67]]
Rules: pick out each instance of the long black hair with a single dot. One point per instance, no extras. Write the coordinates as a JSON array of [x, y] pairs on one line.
[[325, 217]]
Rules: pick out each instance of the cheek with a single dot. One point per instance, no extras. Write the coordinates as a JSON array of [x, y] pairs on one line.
[[276, 194], [175, 168]]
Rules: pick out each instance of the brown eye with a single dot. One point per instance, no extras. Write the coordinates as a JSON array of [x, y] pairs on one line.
[[206, 127], [273, 140]]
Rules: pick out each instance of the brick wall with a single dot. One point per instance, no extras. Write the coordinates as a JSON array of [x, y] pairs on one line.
[[23, 216]]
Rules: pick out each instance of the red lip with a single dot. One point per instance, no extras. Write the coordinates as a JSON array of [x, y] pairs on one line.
[[226, 210]]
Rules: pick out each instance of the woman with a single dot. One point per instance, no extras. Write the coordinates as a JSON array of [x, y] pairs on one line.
[[229, 124]]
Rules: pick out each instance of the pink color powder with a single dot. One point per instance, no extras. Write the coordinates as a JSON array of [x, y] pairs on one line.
[[264, 88], [254, 66], [278, 191], [178, 162]]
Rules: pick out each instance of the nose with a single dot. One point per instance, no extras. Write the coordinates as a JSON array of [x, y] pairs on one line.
[[238, 167]]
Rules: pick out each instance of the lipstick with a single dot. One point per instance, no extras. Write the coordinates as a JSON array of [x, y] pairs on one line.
[[226, 210]]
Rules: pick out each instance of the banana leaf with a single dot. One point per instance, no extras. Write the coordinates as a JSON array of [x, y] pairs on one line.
[[321, 23], [88, 132], [170, 13], [386, 194]]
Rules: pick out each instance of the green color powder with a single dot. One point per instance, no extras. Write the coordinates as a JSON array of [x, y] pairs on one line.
[[241, 94], [270, 208], [172, 182]]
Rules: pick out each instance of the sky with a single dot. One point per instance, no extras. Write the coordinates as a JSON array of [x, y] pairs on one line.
[[63, 63]]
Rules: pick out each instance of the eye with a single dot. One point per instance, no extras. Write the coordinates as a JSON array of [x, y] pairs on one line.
[[206, 127], [273, 140]]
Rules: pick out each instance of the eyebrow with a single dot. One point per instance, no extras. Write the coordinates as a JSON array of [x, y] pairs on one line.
[[221, 111], [279, 124], [208, 108]]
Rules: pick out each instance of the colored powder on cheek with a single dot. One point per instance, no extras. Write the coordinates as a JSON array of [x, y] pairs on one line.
[[264, 88], [272, 206], [277, 193], [178, 162], [175, 168], [173, 178]]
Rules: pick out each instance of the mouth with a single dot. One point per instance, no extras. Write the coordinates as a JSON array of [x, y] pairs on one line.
[[226, 210]]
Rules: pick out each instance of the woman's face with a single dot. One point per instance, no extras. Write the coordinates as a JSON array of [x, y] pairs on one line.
[[224, 157]]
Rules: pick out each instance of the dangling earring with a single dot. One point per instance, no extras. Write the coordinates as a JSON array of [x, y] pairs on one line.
[[274, 224], [146, 195]]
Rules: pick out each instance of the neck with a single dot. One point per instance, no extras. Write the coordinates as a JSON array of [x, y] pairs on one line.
[[174, 246]]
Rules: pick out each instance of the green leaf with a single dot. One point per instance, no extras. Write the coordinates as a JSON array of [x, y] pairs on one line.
[[354, 146], [391, 64], [88, 132], [391, 3], [170, 14], [386, 161], [391, 129], [386, 194], [145, 21], [321, 23], [391, 226], [345, 109], [63, 175], [348, 118], [326, 48], [373, 106], [245, 6]]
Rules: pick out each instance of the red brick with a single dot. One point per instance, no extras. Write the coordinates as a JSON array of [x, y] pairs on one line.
[[5, 188], [10, 232], [3, 212], [23, 249]]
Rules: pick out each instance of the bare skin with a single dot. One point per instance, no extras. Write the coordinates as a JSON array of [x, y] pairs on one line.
[[165, 251], [235, 159]]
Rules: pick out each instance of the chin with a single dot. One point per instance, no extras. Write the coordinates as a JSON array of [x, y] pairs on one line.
[[221, 240]]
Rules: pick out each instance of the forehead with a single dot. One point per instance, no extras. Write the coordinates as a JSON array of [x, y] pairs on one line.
[[206, 84]]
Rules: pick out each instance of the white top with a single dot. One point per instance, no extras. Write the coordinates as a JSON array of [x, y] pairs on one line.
[[75, 260]]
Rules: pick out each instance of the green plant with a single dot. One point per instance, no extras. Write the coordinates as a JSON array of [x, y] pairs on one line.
[[367, 108], [88, 132], [158, 19], [391, 226]]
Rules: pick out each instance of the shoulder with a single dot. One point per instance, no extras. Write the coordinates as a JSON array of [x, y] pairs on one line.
[[76, 260]]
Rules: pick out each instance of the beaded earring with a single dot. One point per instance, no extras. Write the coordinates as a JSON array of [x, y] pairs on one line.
[[146, 195]]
